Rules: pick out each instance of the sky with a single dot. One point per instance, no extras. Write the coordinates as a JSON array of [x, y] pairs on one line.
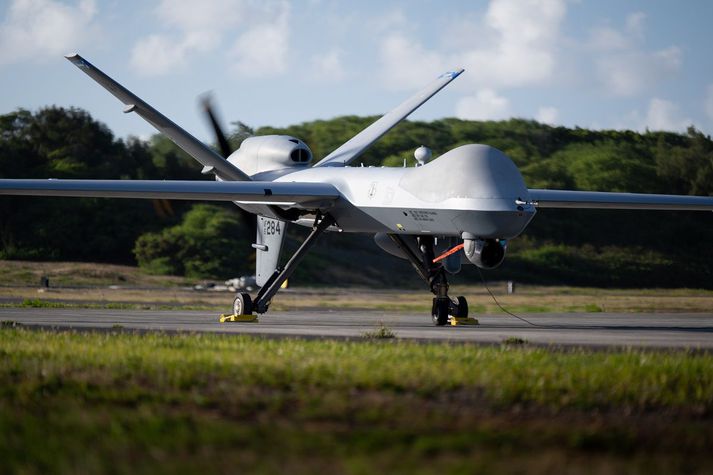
[[602, 64]]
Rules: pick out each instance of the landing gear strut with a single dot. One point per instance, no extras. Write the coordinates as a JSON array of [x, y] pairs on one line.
[[244, 305], [435, 276]]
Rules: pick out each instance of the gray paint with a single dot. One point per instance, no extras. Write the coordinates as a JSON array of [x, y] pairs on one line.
[[270, 238]]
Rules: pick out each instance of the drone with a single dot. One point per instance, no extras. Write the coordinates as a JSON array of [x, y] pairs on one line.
[[460, 208]]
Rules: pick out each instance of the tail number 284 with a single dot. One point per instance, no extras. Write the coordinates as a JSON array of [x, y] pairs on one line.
[[270, 227]]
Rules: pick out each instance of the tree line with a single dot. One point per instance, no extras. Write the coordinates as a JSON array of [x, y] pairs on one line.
[[583, 247]]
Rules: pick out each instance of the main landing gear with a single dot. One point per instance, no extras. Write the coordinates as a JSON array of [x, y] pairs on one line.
[[244, 305], [434, 274], [443, 310]]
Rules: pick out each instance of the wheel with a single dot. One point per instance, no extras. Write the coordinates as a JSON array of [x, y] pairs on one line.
[[462, 307], [439, 311], [243, 304]]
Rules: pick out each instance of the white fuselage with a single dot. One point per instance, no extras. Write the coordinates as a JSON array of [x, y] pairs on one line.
[[472, 189]]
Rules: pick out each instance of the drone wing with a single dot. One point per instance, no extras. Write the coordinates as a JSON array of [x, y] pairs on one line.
[[355, 146], [603, 200], [290, 194], [192, 146]]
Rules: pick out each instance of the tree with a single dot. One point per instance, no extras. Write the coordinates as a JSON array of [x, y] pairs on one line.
[[210, 241], [687, 168], [56, 142]]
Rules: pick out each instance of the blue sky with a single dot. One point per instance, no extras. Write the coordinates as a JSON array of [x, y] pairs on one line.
[[597, 64]]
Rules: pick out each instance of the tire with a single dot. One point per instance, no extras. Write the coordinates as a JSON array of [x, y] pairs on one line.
[[462, 307], [243, 304], [440, 312]]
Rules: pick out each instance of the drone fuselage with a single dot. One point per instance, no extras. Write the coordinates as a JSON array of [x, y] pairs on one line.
[[473, 190]]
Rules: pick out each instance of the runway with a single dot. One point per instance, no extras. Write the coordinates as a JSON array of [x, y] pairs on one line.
[[670, 330]]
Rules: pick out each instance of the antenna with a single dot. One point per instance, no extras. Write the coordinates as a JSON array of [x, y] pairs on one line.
[[423, 154]]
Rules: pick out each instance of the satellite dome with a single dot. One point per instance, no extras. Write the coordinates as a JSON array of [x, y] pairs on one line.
[[422, 154]]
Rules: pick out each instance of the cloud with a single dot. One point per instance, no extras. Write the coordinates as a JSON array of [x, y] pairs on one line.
[[516, 46], [486, 104], [632, 72], [518, 42], [406, 63], [206, 15], [622, 66], [263, 49], [606, 38], [155, 55], [328, 67], [521, 44], [665, 115], [547, 115], [635, 24], [192, 28], [527, 33], [41, 29], [393, 19], [196, 27]]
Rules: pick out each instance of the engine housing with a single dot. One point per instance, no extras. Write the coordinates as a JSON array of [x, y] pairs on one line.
[[271, 152], [485, 253]]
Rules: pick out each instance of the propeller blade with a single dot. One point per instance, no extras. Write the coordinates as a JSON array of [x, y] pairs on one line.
[[248, 218], [223, 143]]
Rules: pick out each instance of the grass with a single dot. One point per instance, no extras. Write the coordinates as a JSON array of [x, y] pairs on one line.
[[528, 300], [381, 332], [134, 290], [81, 274], [121, 402], [514, 340], [40, 303]]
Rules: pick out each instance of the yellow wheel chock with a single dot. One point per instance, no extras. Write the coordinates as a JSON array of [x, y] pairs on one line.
[[455, 321], [238, 318]]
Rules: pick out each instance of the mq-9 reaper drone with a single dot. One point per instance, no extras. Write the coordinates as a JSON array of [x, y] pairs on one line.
[[460, 208]]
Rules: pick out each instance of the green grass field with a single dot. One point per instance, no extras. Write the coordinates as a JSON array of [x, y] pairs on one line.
[[152, 403], [87, 285]]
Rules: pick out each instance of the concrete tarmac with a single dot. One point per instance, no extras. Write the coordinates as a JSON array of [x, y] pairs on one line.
[[662, 330]]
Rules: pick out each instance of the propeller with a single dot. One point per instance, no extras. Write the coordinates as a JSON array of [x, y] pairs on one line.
[[225, 151], [223, 143]]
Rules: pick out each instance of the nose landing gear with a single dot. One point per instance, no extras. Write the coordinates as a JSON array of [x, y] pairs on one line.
[[444, 309]]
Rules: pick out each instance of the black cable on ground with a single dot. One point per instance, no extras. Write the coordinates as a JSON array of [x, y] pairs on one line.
[[485, 284]]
